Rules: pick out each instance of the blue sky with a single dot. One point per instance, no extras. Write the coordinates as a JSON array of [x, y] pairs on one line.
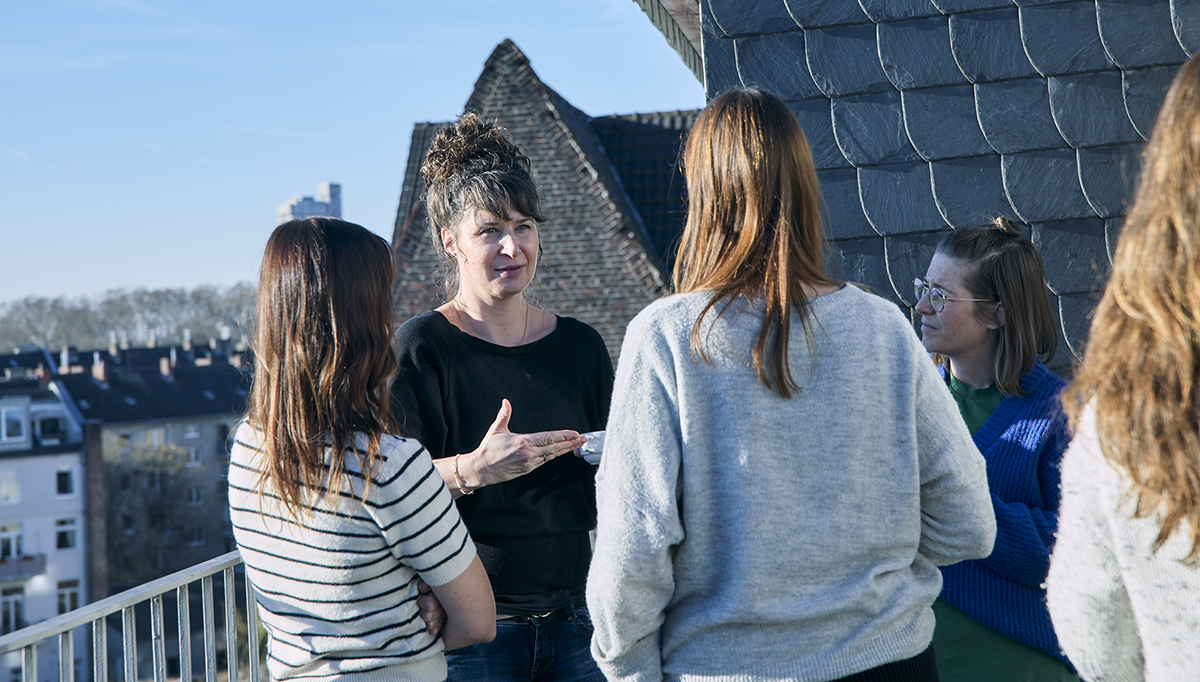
[[146, 143]]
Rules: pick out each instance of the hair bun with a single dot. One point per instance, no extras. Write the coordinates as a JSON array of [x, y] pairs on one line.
[[1006, 227], [466, 146]]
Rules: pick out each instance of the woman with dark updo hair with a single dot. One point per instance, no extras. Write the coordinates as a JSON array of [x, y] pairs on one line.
[[487, 349]]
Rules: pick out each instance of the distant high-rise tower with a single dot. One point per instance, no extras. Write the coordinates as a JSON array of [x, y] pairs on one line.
[[328, 204]]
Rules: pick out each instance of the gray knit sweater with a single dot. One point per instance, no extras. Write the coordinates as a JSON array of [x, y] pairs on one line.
[[747, 537]]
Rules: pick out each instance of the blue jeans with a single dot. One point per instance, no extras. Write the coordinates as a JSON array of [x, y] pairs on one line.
[[556, 648]]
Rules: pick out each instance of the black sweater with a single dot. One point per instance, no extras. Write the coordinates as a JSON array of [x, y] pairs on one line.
[[531, 532]]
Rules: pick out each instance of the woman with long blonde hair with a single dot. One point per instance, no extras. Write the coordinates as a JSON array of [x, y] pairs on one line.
[[784, 469], [339, 523], [1124, 588]]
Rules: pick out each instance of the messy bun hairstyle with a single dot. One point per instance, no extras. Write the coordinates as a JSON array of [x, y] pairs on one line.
[[1006, 268], [474, 165]]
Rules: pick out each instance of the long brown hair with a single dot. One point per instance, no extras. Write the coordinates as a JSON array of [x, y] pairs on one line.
[[1006, 268], [754, 223], [323, 354], [1143, 353], [474, 164]]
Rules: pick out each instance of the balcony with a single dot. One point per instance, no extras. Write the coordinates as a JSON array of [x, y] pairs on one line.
[[13, 569]]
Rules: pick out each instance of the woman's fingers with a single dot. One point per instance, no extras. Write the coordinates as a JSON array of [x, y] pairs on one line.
[[550, 444]]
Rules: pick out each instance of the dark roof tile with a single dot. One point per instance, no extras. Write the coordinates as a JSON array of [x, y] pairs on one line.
[[1063, 358], [941, 122], [1075, 311], [843, 213], [1062, 38], [1036, 3], [898, 199], [862, 261], [970, 192], [1044, 186], [1089, 109], [1112, 232], [1185, 19], [746, 17], [809, 14], [957, 6], [817, 122], [1144, 91], [987, 45], [845, 60], [908, 257], [916, 53], [870, 129], [720, 69], [882, 11], [1074, 254], [709, 25], [1015, 116], [1109, 175], [1138, 33], [770, 61]]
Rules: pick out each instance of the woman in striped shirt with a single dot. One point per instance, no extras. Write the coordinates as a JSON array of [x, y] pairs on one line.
[[337, 522]]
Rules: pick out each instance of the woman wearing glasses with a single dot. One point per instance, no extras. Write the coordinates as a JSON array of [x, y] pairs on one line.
[[985, 318]]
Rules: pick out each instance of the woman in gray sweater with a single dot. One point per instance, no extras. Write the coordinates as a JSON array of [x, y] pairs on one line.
[[774, 506]]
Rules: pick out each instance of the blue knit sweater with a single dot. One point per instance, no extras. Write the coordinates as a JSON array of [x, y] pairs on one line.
[[1023, 443]]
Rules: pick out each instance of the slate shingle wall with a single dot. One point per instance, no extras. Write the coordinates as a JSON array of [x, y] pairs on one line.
[[928, 115]]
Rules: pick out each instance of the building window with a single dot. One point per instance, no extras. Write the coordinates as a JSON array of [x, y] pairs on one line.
[[11, 544], [126, 481], [10, 487], [64, 534], [195, 496], [12, 609], [125, 442], [154, 479], [68, 596], [12, 424], [191, 431], [127, 524], [194, 454], [64, 481], [195, 536], [157, 437]]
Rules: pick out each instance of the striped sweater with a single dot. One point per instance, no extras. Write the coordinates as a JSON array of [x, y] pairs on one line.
[[337, 591]]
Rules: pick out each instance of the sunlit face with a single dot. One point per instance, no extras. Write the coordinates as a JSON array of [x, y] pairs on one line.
[[962, 328], [496, 258]]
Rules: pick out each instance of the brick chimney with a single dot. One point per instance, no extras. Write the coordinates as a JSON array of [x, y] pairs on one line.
[[166, 366], [99, 368]]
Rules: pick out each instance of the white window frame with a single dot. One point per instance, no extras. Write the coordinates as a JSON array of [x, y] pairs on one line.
[[13, 533], [195, 456], [70, 469], [23, 417], [191, 431], [68, 596], [70, 526], [10, 487], [12, 608], [196, 496]]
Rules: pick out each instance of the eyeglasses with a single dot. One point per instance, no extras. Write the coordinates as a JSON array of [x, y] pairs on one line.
[[936, 298]]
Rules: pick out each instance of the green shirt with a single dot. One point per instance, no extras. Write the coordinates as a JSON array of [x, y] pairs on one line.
[[976, 405]]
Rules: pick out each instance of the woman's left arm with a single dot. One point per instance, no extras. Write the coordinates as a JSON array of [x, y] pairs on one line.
[[1025, 533]]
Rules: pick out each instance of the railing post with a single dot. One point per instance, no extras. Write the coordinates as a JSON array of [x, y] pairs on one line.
[[29, 664], [231, 654], [158, 638], [66, 656], [210, 630], [99, 650], [129, 643], [184, 610], [252, 630]]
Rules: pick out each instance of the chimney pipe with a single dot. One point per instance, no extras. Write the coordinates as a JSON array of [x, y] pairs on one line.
[[99, 371]]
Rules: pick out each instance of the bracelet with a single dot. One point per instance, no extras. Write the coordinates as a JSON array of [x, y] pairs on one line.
[[463, 489]]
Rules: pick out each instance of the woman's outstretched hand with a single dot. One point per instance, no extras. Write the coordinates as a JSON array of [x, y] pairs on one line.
[[504, 455]]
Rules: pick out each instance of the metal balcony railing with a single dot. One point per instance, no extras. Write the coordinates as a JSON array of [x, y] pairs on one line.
[[61, 627], [16, 568]]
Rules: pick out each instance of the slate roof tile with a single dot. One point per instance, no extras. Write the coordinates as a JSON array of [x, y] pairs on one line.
[[747, 17], [1044, 186], [1109, 175], [970, 192], [941, 122], [1138, 33], [882, 11], [816, 121], [708, 24], [844, 60], [1062, 38], [1089, 109], [810, 14], [1075, 311], [720, 69], [916, 53], [1074, 254], [862, 261], [987, 45], [1185, 20], [869, 129], [1063, 358], [1112, 232], [775, 62], [1015, 116], [908, 257], [843, 213], [1036, 3], [1144, 91], [957, 6], [898, 199]]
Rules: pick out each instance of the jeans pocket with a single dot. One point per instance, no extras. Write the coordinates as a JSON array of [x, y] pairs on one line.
[[582, 619]]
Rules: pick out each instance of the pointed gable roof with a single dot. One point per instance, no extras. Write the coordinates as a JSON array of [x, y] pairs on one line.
[[601, 263]]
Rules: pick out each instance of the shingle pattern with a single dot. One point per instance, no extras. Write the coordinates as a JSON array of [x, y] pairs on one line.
[[134, 394], [929, 115], [611, 193]]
